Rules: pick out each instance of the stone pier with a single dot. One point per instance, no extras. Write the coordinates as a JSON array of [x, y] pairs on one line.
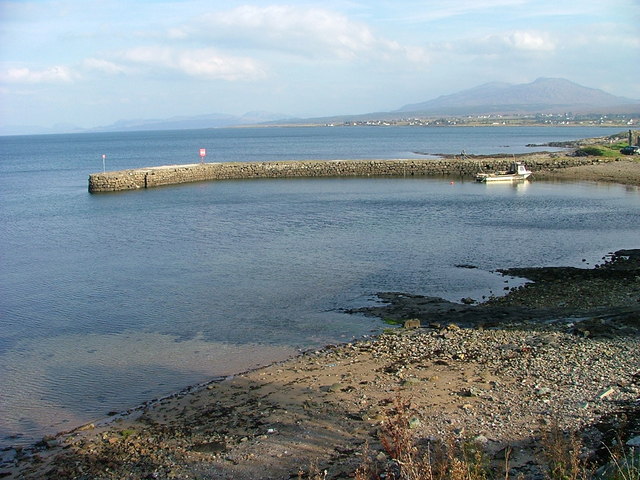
[[150, 177]]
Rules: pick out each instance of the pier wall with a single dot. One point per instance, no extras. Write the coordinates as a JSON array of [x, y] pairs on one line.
[[175, 174]]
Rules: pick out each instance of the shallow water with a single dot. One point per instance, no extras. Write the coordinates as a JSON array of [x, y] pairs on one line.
[[109, 300]]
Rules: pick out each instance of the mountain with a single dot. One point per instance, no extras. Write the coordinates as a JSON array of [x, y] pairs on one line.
[[544, 95], [39, 130], [215, 120]]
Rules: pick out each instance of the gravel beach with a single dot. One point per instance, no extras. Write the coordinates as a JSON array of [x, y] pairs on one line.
[[559, 352], [618, 171]]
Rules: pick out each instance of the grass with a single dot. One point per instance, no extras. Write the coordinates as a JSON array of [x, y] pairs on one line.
[[603, 150], [127, 433], [451, 459], [626, 467], [407, 458], [392, 321], [562, 456]]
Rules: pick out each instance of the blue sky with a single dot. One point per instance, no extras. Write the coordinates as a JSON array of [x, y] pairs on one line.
[[93, 62]]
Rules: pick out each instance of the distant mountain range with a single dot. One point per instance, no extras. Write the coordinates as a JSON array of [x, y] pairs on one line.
[[544, 95], [214, 120]]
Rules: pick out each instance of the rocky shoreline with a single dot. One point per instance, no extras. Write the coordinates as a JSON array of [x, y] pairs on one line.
[[573, 364], [561, 352], [599, 300]]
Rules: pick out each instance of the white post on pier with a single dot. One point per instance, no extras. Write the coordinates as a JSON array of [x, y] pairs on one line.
[[104, 168]]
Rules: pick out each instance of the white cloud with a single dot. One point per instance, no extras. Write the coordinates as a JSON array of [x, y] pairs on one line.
[[55, 74], [104, 66], [313, 33], [202, 62], [530, 41], [509, 43]]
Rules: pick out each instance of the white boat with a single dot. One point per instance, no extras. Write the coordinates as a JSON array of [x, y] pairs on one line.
[[518, 171]]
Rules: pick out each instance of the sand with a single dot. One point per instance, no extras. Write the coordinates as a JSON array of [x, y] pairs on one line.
[[626, 172]]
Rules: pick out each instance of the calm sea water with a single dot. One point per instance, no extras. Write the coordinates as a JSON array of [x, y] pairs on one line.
[[110, 300]]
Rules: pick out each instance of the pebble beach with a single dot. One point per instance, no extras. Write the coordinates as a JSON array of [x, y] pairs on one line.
[[561, 351]]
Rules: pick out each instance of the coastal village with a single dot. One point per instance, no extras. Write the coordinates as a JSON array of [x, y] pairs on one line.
[[539, 119]]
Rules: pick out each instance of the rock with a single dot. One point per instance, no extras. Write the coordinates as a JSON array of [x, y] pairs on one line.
[[336, 387], [634, 442], [470, 392], [605, 393], [412, 323], [543, 391], [408, 382], [468, 301], [209, 447]]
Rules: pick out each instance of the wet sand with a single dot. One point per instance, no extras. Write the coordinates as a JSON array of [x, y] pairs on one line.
[[562, 350]]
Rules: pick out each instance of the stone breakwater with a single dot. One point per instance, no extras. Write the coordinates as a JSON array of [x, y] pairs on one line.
[[175, 174]]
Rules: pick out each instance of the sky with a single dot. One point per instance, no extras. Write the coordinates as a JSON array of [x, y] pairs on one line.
[[93, 62]]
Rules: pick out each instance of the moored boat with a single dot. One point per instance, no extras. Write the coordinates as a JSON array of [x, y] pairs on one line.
[[518, 171]]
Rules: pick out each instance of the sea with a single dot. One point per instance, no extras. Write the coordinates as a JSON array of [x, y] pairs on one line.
[[111, 300]]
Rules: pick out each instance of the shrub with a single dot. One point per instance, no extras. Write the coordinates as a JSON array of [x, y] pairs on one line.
[[590, 152]]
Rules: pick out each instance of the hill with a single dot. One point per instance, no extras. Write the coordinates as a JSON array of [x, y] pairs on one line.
[[215, 120], [544, 95]]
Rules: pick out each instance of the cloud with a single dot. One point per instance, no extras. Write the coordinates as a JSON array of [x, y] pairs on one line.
[[104, 66], [313, 33], [517, 42], [55, 74], [205, 63]]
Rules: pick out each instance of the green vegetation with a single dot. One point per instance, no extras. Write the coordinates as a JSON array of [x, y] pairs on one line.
[[590, 151], [601, 150], [127, 433], [392, 321]]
